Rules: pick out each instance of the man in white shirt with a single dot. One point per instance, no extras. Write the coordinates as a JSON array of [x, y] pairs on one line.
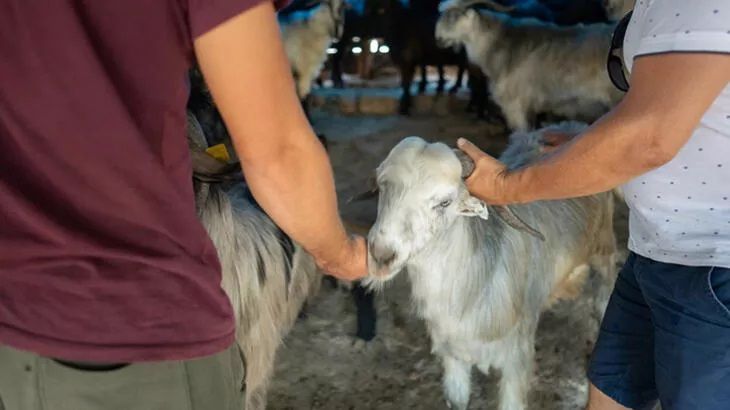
[[666, 332]]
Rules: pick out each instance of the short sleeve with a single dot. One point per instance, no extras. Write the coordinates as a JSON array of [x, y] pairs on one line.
[[204, 15], [685, 26]]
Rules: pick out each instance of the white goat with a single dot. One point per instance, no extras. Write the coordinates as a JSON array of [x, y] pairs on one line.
[[616, 9], [479, 283], [534, 66], [307, 35], [266, 276]]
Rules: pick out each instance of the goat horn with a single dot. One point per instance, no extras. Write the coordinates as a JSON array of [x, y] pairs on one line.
[[467, 164], [196, 136], [504, 213]]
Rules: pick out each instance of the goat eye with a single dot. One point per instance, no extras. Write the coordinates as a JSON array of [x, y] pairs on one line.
[[445, 203]]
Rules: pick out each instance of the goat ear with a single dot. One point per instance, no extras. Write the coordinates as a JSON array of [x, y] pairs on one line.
[[471, 206]]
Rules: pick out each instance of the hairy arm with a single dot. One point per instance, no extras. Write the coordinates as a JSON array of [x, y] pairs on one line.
[[287, 168], [669, 95]]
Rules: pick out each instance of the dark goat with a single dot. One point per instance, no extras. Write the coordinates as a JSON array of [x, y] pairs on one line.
[[363, 18], [369, 19], [409, 29], [413, 43]]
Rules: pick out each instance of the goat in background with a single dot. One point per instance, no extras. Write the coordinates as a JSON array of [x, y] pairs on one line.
[[533, 67], [307, 33]]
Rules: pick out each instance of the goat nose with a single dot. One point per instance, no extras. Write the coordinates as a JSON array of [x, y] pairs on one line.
[[382, 255]]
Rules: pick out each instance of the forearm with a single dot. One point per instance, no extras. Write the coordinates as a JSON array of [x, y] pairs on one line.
[[296, 188], [619, 147], [286, 167], [644, 131]]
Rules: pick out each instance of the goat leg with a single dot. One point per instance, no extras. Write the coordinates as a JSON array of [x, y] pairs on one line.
[[442, 80], [424, 79], [407, 72], [459, 76], [366, 315], [456, 383]]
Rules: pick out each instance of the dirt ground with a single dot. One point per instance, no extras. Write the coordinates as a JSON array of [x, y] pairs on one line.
[[321, 365]]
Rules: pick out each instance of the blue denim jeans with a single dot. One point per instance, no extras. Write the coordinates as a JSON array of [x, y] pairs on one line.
[[666, 337]]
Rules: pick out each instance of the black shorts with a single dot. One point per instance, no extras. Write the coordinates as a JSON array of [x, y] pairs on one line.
[[666, 337]]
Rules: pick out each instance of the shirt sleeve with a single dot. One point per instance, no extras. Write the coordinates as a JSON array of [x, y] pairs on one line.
[[686, 26], [204, 15]]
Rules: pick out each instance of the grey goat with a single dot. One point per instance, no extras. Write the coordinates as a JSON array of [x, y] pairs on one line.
[[266, 276], [479, 283], [533, 67]]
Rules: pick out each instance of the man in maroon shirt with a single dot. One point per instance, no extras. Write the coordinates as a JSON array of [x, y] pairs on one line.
[[102, 258]]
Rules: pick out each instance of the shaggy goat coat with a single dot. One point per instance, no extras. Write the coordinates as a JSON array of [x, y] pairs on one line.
[[266, 276], [535, 67], [481, 285]]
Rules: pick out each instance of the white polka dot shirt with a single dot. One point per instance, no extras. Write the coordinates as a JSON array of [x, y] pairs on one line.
[[680, 213]]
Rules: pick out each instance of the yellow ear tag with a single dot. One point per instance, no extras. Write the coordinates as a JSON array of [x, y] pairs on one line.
[[219, 152]]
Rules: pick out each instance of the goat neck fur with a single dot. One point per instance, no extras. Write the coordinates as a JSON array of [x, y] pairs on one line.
[[307, 35], [266, 277], [534, 66], [479, 284]]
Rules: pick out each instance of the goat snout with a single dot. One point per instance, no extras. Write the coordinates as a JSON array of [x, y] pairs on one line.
[[382, 255]]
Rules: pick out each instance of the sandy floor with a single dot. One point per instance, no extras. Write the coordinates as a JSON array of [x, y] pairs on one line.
[[321, 365]]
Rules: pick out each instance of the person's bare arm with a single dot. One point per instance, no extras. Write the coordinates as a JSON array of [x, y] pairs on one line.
[[669, 95], [244, 64]]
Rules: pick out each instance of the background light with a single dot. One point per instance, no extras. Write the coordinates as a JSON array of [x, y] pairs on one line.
[[384, 49], [356, 50], [331, 50], [373, 46]]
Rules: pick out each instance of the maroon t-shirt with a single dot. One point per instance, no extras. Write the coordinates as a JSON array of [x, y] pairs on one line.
[[102, 257]]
